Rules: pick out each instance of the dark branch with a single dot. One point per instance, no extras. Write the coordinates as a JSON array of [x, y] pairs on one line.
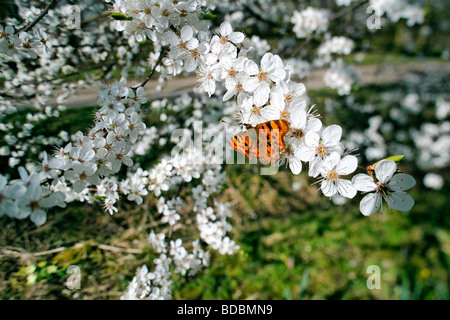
[[39, 17], [346, 10], [161, 56]]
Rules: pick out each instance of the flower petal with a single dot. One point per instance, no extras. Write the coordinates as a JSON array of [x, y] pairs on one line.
[[370, 204], [364, 182], [399, 200], [304, 154], [332, 134], [401, 182], [346, 189], [225, 28], [186, 33], [236, 37], [384, 170], [328, 188], [347, 165], [295, 165], [38, 217]]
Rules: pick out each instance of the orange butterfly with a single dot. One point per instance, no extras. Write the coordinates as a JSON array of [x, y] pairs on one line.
[[268, 135]]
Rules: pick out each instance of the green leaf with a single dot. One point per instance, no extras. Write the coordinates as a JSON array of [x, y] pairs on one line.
[[208, 16], [120, 16], [396, 158]]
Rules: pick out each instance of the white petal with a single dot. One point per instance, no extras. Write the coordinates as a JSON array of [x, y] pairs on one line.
[[267, 62], [328, 188], [250, 67], [304, 154], [236, 37], [171, 38], [229, 94], [364, 182], [312, 139], [401, 182], [346, 189], [3, 182], [194, 44], [261, 95], [313, 124], [332, 134], [399, 201], [347, 165], [384, 170], [298, 118], [370, 204], [225, 28], [295, 165], [277, 99], [277, 75], [203, 48], [332, 161], [315, 165], [15, 191], [250, 84], [186, 33], [38, 217], [190, 64]]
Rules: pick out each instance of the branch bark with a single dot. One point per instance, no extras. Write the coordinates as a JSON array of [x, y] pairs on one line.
[[39, 17]]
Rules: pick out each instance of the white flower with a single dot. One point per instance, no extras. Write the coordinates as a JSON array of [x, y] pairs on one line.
[[254, 114], [387, 185], [433, 181], [301, 121], [317, 147], [260, 80], [9, 193], [309, 21], [227, 34], [332, 168]]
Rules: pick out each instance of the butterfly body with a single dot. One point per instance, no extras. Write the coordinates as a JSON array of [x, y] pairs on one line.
[[264, 141]]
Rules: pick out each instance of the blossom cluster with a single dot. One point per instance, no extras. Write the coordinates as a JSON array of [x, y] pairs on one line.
[[310, 20], [399, 9], [340, 77]]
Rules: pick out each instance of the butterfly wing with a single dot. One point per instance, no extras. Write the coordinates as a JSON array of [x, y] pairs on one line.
[[265, 141], [245, 142], [271, 140]]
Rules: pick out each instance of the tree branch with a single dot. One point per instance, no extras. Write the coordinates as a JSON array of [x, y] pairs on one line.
[[161, 56], [346, 10], [39, 17]]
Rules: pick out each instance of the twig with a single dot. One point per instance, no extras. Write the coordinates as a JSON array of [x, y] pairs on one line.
[[161, 56], [344, 11], [23, 254], [117, 249], [39, 17], [43, 253], [300, 48]]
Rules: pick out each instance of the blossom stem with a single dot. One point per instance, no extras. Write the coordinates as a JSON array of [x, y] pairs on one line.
[[39, 17], [161, 56], [346, 10]]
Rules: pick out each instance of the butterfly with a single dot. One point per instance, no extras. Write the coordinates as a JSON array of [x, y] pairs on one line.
[[264, 141]]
